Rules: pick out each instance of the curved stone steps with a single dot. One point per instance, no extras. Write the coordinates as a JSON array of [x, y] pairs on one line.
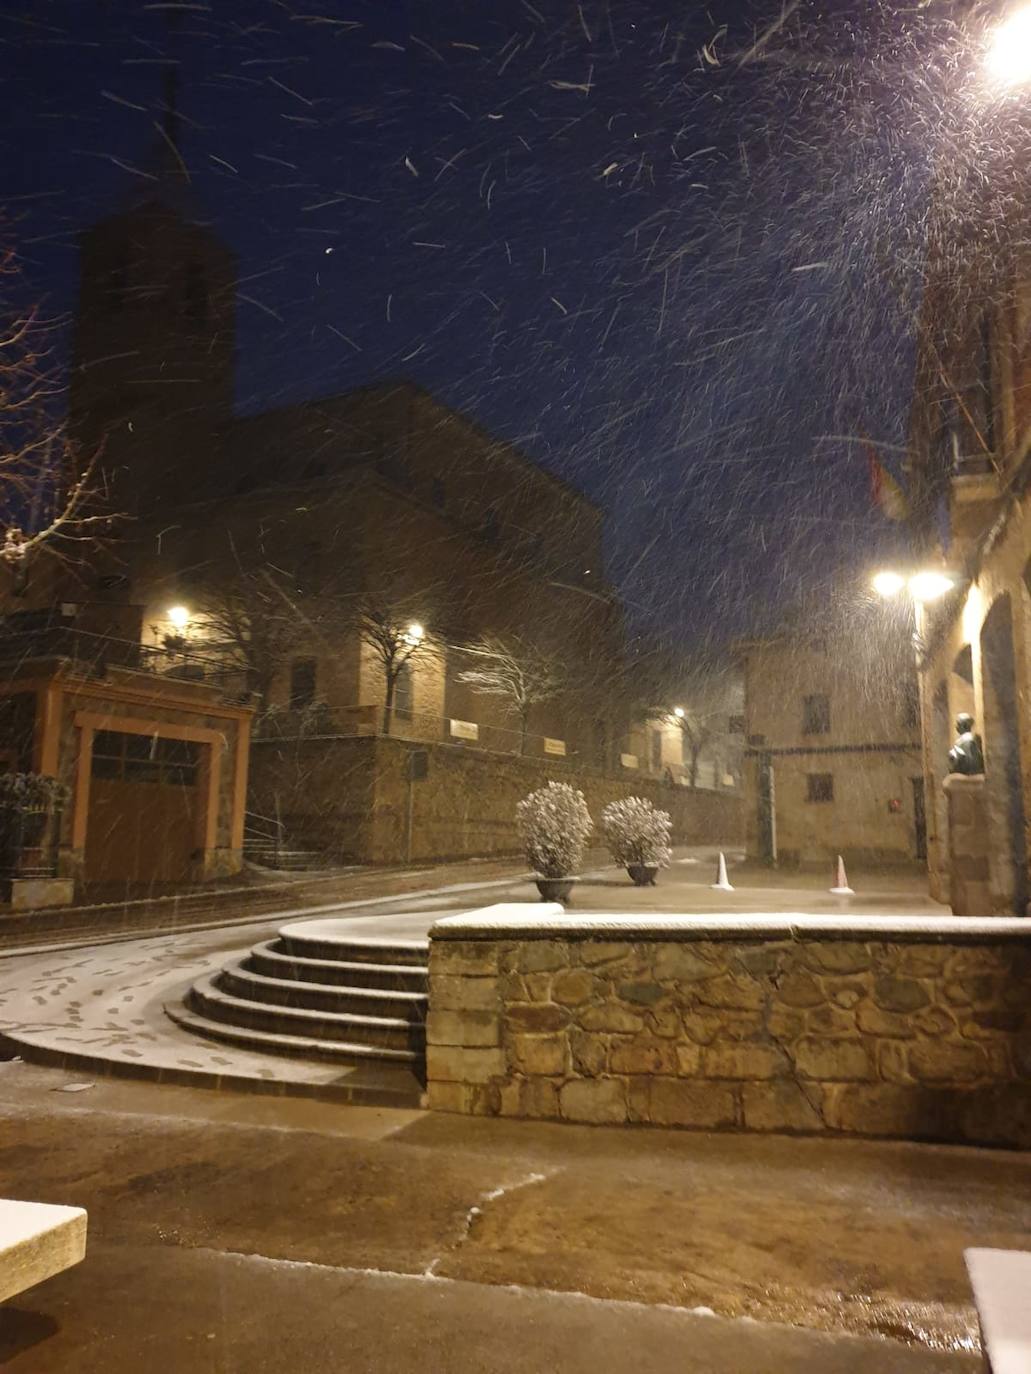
[[391, 1036], [355, 949], [238, 979], [266, 959], [395, 1073]]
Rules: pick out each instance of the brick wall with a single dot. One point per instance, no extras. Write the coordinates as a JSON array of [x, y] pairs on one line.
[[908, 1035], [350, 797]]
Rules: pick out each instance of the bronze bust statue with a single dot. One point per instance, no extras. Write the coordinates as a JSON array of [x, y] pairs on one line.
[[966, 756]]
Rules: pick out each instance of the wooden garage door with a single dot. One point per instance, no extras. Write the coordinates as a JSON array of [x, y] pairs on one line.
[[143, 808]]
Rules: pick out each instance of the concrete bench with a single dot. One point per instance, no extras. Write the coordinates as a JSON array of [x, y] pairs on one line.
[[36, 1242], [1001, 1280]]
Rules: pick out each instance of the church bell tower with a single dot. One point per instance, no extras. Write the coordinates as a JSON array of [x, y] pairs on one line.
[[151, 386]]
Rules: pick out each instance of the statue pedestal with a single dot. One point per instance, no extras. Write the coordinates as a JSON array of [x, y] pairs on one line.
[[968, 844]]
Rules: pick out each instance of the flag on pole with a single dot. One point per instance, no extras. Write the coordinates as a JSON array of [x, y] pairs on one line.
[[885, 492]]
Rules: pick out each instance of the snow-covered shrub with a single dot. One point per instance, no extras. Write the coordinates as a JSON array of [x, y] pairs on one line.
[[32, 792], [554, 823], [637, 834]]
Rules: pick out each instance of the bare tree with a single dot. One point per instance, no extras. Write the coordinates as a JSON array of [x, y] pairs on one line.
[[700, 729], [518, 672], [252, 622], [48, 495], [395, 637]]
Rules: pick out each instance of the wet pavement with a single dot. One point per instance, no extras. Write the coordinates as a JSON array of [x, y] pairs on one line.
[[240, 1233], [203, 1204]]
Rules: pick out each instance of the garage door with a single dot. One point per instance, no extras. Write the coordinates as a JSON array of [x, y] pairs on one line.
[[143, 808]]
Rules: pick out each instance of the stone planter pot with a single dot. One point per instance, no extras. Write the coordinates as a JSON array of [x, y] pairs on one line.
[[642, 875], [555, 889]]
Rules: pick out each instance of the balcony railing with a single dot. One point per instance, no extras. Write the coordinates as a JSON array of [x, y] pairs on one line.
[[93, 654]]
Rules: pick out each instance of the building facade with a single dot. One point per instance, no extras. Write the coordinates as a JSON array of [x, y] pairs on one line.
[[832, 758], [970, 469]]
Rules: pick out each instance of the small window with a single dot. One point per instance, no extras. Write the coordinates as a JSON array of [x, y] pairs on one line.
[[403, 691], [819, 787], [816, 715], [303, 675], [736, 725]]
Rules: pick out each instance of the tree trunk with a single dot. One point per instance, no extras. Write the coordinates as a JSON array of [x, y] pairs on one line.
[[388, 704], [695, 751], [524, 726]]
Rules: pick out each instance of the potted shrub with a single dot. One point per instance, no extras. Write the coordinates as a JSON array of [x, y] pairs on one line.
[[554, 823], [637, 837]]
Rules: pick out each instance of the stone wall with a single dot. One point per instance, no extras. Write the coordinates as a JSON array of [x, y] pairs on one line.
[[350, 797], [918, 1028]]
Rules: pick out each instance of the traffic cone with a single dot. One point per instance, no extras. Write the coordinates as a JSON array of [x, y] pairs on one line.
[[722, 883], [841, 887]]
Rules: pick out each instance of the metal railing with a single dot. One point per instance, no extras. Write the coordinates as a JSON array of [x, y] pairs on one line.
[[95, 653]]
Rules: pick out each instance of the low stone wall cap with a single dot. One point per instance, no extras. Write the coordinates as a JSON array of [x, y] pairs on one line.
[[550, 921]]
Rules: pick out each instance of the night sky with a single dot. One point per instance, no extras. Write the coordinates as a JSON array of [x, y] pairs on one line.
[[675, 259]]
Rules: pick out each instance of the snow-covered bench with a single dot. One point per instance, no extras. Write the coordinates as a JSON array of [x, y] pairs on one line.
[[1001, 1280], [36, 1242]]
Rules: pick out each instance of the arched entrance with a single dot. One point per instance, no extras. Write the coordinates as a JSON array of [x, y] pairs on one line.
[[1003, 772]]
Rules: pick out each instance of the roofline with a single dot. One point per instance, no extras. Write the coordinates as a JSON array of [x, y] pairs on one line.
[[405, 384]]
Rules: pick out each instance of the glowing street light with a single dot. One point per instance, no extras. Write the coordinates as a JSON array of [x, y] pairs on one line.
[[1008, 59], [887, 583], [926, 585], [414, 634], [679, 712], [930, 585], [178, 617]]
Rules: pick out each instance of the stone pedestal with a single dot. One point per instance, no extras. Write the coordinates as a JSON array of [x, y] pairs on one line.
[[967, 857]]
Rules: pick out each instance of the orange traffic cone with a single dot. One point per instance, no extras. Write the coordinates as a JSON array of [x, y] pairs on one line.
[[841, 887], [722, 883]]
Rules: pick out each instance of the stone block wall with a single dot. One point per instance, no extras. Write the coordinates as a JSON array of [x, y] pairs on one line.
[[350, 797], [903, 1035]]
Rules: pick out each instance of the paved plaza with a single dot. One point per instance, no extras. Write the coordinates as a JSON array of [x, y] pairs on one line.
[[251, 1231]]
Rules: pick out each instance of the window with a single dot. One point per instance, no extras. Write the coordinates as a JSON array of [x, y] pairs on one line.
[[816, 715], [303, 675], [144, 758], [656, 748], [403, 693], [819, 787], [736, 725]]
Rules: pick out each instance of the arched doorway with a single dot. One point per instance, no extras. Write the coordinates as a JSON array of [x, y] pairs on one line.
[[1003, 772]]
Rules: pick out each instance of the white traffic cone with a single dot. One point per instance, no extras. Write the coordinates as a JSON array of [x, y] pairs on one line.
[[722, 883], [841, 887]]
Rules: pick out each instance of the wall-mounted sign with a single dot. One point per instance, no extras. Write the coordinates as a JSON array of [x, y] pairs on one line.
[[554, 746], [465, 729], [628, 760]]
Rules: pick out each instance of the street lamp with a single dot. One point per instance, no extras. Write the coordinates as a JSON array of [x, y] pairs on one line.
[[928, 584], [679, 712], [414, 634], [178, 617], [1008, 59]]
